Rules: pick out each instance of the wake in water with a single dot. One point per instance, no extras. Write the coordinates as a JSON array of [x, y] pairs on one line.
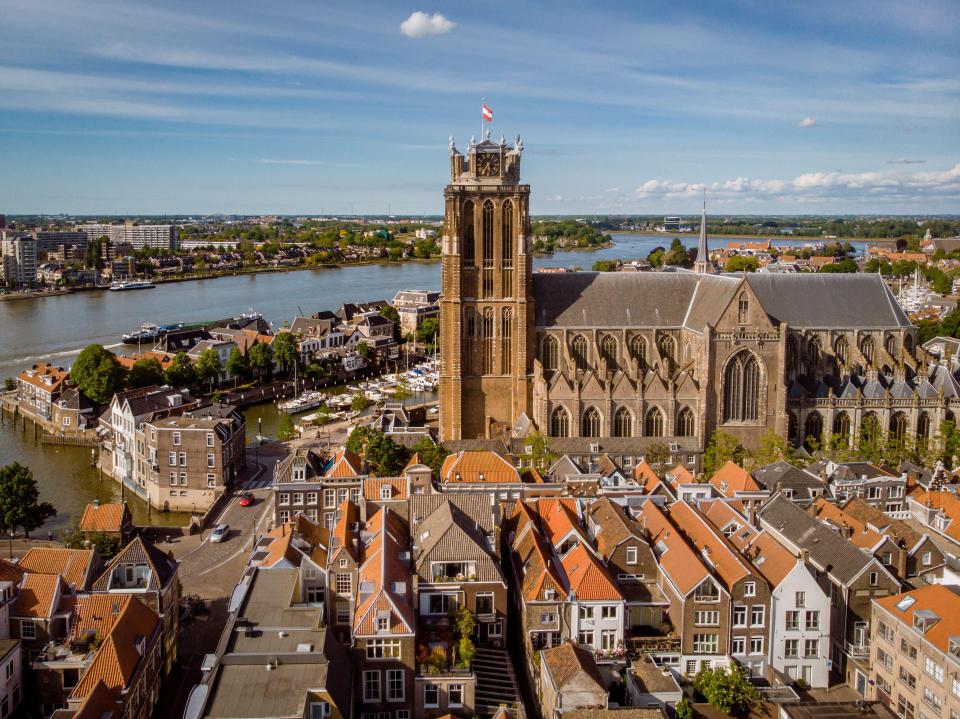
[[52, 355]]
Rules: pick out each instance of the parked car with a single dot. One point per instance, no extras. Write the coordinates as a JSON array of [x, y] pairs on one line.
[[220, 532], [247, 499]]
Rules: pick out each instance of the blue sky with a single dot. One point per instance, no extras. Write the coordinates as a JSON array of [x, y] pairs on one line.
[[127, 106]]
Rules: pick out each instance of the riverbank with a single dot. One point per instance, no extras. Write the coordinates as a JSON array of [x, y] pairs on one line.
[[33, 294], [719, 237]]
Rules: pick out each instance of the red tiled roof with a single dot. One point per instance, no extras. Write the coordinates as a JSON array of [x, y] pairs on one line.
[[345, 464], [45, 376], [104, 517], [939, 599], [478, 466], [732, 478], [74, 565], [38, 596], [589, 581]]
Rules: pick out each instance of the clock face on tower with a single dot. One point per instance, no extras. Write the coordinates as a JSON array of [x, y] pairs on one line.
[[488, 165]]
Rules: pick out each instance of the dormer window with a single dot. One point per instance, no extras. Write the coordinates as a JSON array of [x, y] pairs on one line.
[[549, 594], [386, 491], [924, 620]]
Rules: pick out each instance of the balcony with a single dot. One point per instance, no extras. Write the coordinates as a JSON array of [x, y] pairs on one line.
[[858, 651]]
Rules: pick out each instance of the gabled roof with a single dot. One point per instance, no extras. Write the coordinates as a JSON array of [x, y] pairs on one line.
[[899, 530], [112, 517], [139, 551], [99, 704], [539, 573], [10, 572], [679, 475], [478, 466], [373, 488], [38, 596], [568, 661], [860, 535], [612, 526], [588, 579], [558, 518], [348, 515], [645, 475], [946, 502], [443, 531], [937, 602], [727, 563], [676, 558], [97, 613], [74, 565], [772, 559], [345, 464], [384, 579], [732, 478]]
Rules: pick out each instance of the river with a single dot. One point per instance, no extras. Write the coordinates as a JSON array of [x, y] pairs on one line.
[[55, 329]]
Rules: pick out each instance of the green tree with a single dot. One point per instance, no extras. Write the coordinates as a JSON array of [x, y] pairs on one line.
[[428, 330], [145, 372], [286, 350], [391, 313], [539, 451], [357, 440], [359, 402], [208, 366], [181, 372], [773, 448], [606, 266], [364, 350], [9, 384], [97, 373], [402, 391], [467, 651], [722, 447], [237, 365], [727, 690], [286, 429], [19, 505], [657, 455], [261, 359], [430, 454], [385, 458], [742, 263], [684, 709], [107, 545]]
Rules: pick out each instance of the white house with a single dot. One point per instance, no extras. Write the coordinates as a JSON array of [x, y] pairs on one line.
[[596, 606]]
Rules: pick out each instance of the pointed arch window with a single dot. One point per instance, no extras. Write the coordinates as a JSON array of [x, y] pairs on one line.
[[559, 422], [551, 353], [908, 343], [869, 427], [686, 423], [898, 426], [813, 352], [578, 348], [653, 422], [487, 248], [608, 349], [743, 309], [793, 427], [638, 349], [590, 426], [623, 423], [506, 341], [923, 429], [487, 328], [469, 241], [890, 345], [668, 349], [813, 429], [841, 425], [841, 350], [469, 340], [506, 258], [866, 348], [741, 388]]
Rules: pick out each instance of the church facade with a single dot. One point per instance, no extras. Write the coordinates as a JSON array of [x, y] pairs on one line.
[[612, 362]]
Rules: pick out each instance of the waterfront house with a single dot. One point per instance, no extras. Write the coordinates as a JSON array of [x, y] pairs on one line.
[[73, 411], [223, 348], [113, 519], [39, 387], [414, 306]]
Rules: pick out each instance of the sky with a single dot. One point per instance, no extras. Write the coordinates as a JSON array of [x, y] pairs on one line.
[[323, 107]]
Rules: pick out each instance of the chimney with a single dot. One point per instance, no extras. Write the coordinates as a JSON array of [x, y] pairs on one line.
[[96, 502], [804, 555]]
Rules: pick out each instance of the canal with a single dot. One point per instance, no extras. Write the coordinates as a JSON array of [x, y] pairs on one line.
[[55, 329]]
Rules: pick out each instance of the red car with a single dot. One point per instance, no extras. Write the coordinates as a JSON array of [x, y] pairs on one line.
[[246, 499]]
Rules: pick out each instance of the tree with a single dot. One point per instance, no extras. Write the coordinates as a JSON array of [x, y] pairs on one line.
[[684, 709], [181, 372], [391, 313], [467, 651], [773, 448], [722, 447], [145, 372], [430, 454], [357, 441], [19, 505], [359, 402], [657, 454], [9, 384], [364, 350], [742, 263], [208, 366], [237, 365], [727, 690], [428, 330], [606, 266], [107, 545], [286, 350], [286, 430], [385, 458], [402, 391], [261, 358], [98, 373], [539, 450]]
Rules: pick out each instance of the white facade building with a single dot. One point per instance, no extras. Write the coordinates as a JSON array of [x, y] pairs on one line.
[[800, 627], [19, 261]]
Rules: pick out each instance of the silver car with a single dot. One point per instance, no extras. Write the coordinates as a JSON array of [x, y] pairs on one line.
[[219, 533]]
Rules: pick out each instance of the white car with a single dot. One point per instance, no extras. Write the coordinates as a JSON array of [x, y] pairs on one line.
[[219, 533]]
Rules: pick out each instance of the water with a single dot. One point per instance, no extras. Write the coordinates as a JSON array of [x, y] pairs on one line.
[[55, 329]]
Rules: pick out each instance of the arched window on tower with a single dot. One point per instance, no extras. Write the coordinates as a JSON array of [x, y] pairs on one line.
[[551, 353], [866, 348], [869, 428], [467, 236], [578, 348], [743, 309], [623, 423], [741, 388], [793, 428], [686, 423], [813, 429], [469, 340], [559, 422], [653, 423], [638, 349], [890, 345], [608, 349], [506, 341], [487, 249], [591, 423], [841, 426], [923, 429], [908, 343], [841, 350], [668, 351], [898, 426], [506, 258], [487, 337]]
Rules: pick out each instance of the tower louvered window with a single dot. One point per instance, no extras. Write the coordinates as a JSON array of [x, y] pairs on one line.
[[507, 247], [469, 241], [506, 341], [741, 389], [487, 249], [487, 337]]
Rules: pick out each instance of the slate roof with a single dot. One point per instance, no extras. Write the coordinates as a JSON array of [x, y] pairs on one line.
[[827, 549], [782, 475], [446, 532]]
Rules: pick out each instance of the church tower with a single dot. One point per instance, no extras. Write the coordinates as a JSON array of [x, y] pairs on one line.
[[486, 307], [702, 265]]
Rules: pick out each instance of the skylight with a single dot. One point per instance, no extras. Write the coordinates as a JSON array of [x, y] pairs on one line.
[[905, 603]]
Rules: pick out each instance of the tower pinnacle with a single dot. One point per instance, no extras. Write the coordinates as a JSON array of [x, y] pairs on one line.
[[702, 265]]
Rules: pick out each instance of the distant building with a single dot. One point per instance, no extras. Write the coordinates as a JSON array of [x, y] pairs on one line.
[[40, 387], [414, 306], [19, 256], [162, 237]]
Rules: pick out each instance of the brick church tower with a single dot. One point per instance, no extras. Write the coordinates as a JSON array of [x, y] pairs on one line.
[[486, 307]]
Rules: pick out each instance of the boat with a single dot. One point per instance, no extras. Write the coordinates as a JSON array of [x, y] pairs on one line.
[[303, 403], [146, 333], [131, 285]]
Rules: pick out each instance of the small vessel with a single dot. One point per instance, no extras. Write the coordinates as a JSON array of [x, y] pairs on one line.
[[131, 285], [303, 403], [146, 333]]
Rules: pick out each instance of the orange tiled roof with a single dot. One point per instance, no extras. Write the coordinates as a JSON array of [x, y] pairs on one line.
[[644, 473], [721, 515], [539, 573], [372, 487], [38, 596], [74, 565], [99, 704], [10, 572], [678, 560], [772, 559], [862, 536], [732, 478], [680, 475], [342, 536], [164, 358], [45, 376], [948, 503], [98, 612], [478, 466], [729, 566], [523, 516], [589, 581], [345, 464], [280, 546], [384, 579], [104, 517], [117, 659], [559, 517], [936, 598]]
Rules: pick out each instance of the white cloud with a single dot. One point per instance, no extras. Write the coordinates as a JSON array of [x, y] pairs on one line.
[[420, 24], [807, 122], [271, 161]]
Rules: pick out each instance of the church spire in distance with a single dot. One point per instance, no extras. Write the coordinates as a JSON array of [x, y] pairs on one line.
[[702, 265]]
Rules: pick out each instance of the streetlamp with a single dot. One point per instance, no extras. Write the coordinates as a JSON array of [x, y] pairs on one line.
[[12, 535]]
